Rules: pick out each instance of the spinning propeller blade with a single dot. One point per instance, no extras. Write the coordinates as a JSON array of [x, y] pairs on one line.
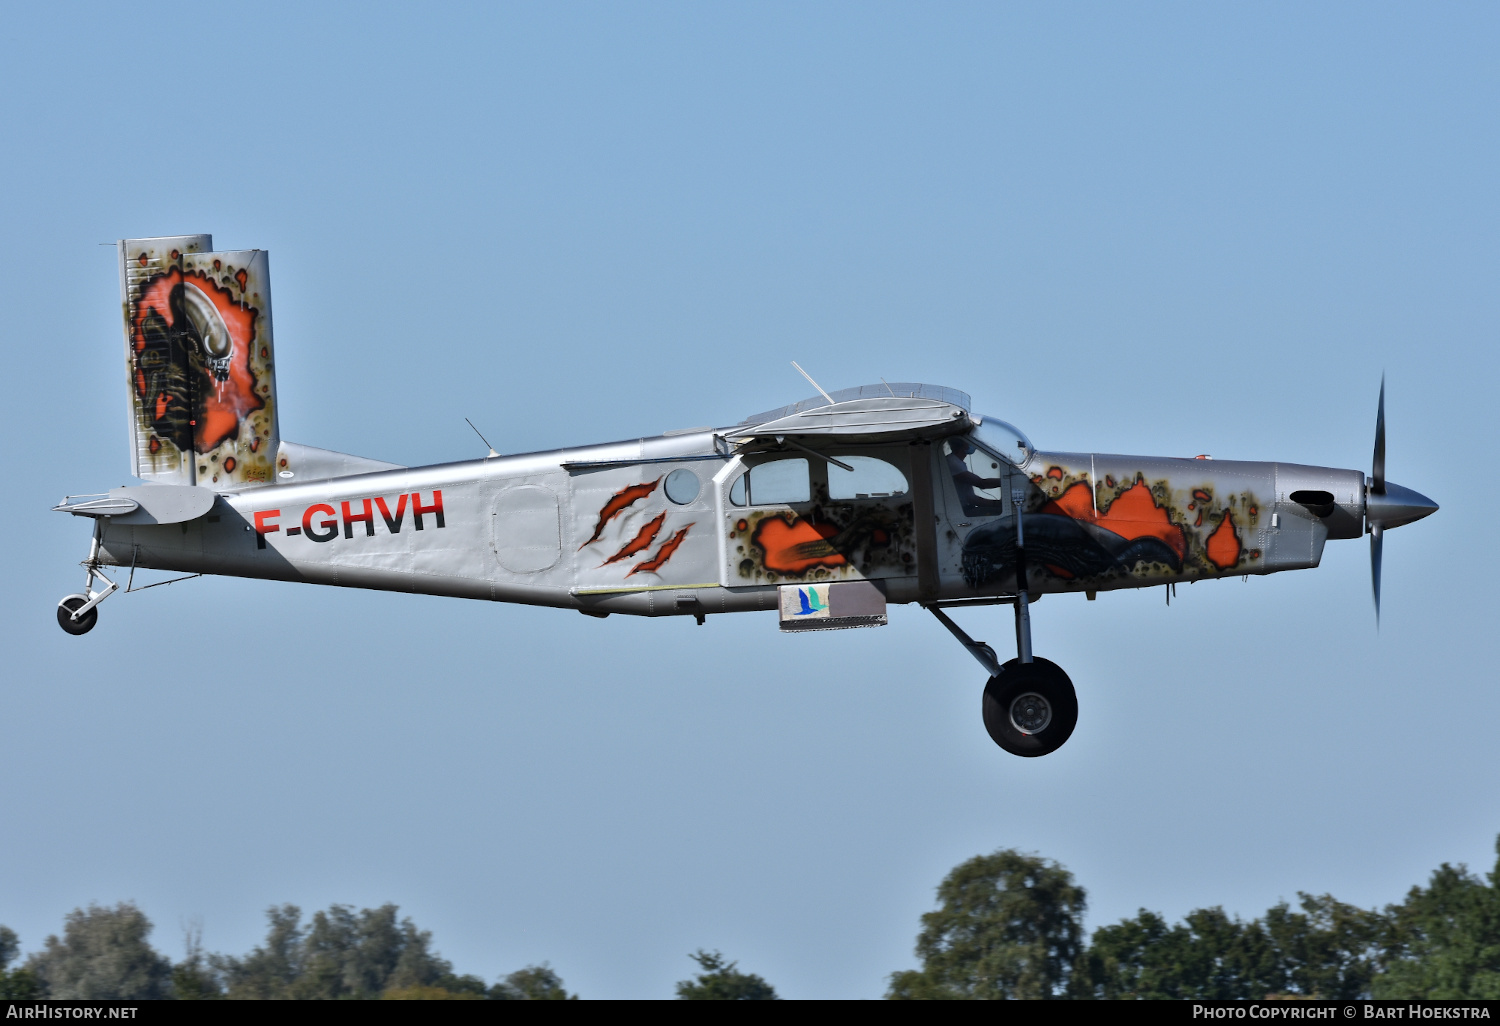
[[1387, 505], [1377, 485], [1377, 465]]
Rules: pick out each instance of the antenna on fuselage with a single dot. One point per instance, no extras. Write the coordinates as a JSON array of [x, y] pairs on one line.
[[813, 383], [483, 439]]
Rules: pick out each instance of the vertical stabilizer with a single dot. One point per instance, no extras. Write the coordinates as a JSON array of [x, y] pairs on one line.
[[201, 363]]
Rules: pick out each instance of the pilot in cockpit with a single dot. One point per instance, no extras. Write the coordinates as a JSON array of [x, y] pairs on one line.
[[966, 481]]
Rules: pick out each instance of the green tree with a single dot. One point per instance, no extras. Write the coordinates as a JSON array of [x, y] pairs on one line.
[[721, 981], [1444, 939], [362, 954], [195, 978], [15, 984], [533, 983], [465, 986], [103, 955], [420, 992], [341, 953], [1328, 950], [1008, 925], [1209, 956], [10, 947], [270, 971], [20, 984]]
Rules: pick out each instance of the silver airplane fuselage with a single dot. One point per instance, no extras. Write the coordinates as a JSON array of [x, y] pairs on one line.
[[594, 528]]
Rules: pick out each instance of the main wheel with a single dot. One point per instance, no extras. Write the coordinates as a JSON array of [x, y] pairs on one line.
[[84, 623], [1030, 709]]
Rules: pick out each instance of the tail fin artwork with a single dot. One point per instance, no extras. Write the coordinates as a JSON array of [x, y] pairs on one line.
[[201, 363]]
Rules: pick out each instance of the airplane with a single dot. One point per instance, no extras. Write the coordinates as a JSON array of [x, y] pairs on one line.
[[827, 510]]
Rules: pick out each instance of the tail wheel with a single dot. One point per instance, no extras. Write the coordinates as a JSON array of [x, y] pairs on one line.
[[84, 623], [1030, 709]]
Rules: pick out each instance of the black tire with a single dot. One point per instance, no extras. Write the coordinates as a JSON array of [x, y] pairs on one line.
[[1037, 695], [84, 623]]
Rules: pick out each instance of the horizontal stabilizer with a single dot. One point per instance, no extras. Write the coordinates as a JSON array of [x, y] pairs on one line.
[[143, 504], [99, 505]]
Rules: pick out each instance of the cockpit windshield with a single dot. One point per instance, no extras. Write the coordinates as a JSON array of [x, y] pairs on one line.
[[1002, 439], [979, 462]]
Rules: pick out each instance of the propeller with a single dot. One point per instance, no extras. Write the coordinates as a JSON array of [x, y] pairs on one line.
[[1377, 464], [1377, 487], [1386, 504]]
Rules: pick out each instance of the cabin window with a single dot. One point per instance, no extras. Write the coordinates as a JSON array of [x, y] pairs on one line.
[[870, 479], [977, 478], [682, 486], [779, 482]]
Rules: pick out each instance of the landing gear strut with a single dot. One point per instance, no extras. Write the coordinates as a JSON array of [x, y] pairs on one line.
[[77, 614], [1030, 707]]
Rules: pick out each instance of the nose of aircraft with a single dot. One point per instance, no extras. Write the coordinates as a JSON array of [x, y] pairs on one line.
[[1397, 506]]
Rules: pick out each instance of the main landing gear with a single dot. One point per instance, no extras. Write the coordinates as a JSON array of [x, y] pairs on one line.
[[77, 614], [1030, 707]]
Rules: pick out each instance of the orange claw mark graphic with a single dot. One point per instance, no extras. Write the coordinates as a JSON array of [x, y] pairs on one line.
[[662, 554], [617, 504], [642, 540], [1223, 545]]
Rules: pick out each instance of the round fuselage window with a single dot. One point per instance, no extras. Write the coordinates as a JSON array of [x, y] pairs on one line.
[[682, 486]]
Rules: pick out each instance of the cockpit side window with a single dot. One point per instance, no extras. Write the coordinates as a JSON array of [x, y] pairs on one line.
[[870, 479], [977, 477], [779, 482]]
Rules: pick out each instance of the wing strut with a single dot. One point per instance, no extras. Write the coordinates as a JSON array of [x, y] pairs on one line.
[[978, 649]]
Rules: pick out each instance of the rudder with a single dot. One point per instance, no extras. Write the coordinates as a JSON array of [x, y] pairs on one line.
[[200, 357]]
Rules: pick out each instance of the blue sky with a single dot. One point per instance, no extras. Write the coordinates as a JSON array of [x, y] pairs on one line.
[[1168, 229]]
